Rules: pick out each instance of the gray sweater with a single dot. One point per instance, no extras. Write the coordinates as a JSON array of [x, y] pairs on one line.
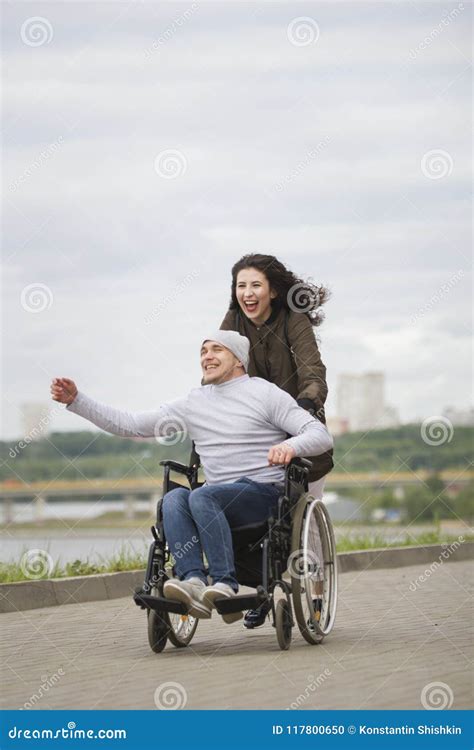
[[233, 426]]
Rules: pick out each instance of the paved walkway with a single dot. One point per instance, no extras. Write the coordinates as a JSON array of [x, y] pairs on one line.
[[389, 642]]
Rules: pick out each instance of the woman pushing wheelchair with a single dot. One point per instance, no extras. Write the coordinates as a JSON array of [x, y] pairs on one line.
[[277, 312]]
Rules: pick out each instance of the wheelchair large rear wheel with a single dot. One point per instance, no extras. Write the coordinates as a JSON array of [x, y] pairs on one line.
[[312, 566]]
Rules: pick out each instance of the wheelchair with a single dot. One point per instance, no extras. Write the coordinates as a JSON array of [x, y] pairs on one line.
[[293, 552]]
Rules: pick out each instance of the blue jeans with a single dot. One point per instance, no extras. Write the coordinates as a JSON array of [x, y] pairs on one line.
[[200, 520]]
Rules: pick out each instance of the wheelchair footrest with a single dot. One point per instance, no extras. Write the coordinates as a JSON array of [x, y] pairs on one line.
[[159, 604], [226, 605]]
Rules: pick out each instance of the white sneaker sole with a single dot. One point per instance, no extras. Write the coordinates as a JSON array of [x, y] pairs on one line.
[[195, 608]]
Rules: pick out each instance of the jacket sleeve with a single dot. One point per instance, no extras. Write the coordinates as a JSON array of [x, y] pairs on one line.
[[310, 368], [228, 324]]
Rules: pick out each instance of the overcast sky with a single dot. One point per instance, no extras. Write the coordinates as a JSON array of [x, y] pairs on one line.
[[333, 135]]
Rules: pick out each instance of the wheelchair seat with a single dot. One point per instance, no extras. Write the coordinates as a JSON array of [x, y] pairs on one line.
[[248, 555]]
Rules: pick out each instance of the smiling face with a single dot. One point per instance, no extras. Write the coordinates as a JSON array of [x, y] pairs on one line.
[[254, 295], [218, 364]]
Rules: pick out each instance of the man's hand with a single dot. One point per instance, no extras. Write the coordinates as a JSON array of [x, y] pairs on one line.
[[63, 390], [281, 454]]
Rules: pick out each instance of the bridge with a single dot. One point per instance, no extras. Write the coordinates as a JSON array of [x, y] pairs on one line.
[[147, 487], [131, 490]]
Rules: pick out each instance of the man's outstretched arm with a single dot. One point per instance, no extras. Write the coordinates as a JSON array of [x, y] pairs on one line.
[[165, 421]]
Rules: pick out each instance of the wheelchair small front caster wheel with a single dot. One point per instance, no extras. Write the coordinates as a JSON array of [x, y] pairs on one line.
[[283, 624], [158, 629]]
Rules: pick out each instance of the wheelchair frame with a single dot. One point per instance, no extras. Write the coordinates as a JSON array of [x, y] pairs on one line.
[[285, 541]]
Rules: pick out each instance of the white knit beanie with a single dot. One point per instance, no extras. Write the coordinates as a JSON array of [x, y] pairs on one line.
[[237, 344]]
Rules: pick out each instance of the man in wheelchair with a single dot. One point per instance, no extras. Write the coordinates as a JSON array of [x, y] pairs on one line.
[[239, 425]]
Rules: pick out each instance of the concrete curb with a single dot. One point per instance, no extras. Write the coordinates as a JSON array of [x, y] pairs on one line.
[[51, 593], [34, 594], [398, 557]]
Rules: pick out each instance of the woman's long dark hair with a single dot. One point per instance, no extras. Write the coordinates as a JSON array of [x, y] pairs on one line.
[[292, 292]]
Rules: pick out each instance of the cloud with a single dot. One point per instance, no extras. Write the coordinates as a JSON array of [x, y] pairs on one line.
[[313, 153]]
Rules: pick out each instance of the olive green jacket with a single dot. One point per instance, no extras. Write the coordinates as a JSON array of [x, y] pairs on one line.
[[284, 351]]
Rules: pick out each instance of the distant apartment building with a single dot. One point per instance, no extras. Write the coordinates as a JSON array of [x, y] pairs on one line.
[[459, 417], [35, 420], [337, 426], [361, 402]]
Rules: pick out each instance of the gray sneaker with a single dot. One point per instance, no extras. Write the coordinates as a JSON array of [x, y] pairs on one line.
[[189, 593], [221, 591]]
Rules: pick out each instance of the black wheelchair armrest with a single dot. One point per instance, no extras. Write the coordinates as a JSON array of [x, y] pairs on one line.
[[302, 462], [176, 466]]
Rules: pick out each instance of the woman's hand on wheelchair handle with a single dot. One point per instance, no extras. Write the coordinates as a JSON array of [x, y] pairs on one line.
[[281, 454], [63, 390]]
